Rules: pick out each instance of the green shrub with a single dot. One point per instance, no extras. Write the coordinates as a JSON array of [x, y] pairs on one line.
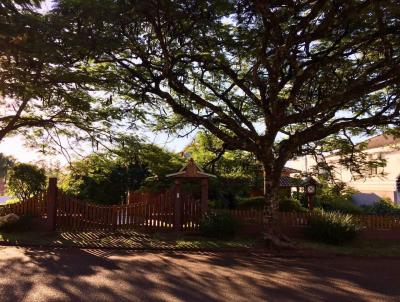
[[219, 225], [383, 207], [22, 225], [218, 204], [332, 227], [226, 189], [340, 204], [336, 198], [250, 202], [303, 199], [290, 205], [285, 204]]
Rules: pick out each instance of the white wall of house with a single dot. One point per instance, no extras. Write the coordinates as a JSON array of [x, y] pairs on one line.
[[373, 187], [382, 186]]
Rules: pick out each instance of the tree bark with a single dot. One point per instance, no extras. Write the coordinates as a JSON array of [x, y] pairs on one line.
[[272, 233], [270, 204]]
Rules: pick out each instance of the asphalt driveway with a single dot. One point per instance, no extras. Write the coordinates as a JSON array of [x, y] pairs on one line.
[[103, 275]]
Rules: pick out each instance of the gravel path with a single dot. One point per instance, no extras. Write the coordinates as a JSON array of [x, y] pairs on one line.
[[101, 275]]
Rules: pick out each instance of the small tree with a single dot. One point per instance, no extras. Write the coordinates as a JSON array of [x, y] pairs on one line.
[[106, 177], [26, 180]]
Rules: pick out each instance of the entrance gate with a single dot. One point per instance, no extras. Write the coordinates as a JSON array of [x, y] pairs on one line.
[[169, 210]]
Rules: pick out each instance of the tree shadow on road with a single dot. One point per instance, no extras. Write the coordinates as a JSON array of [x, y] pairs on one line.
[[106, 275]]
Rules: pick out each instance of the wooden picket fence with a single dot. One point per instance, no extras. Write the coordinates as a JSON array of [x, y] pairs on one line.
[[300, 220], [35, 207], [191, 213], [147, 211], [150, 212], [75, 214]]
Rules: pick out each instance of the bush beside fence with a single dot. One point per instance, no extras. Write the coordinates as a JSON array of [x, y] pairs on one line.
[[300, 220]]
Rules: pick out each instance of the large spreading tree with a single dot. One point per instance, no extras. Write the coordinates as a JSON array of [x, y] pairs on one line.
[[275, 78]]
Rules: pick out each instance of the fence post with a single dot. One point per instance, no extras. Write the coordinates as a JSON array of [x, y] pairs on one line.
[[204, 196], [130, 197], [51, 204], [177, 206]]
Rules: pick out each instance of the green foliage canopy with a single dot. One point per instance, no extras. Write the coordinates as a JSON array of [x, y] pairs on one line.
[[209, 152], [26, 180], [106, 177], [43, 93]]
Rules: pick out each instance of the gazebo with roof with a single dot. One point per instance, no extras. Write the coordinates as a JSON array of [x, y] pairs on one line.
[[192, 171]]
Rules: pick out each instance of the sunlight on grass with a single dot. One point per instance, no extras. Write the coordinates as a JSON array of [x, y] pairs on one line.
[[358, 247], [133, 239], [210, 243], [12, 200], [122, 239]]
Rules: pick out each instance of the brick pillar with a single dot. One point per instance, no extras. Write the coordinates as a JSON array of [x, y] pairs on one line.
[[51, 204], [204, 195], [177, 206]]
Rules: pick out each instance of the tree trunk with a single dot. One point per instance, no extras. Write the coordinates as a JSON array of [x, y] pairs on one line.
[[272, 233]]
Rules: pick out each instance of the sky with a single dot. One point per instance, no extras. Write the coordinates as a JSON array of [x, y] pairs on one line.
[[13, 146]]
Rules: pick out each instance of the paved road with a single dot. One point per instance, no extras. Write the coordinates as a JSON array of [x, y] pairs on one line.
[[98, 275]]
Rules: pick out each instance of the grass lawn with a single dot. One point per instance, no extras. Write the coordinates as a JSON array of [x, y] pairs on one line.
[[201, 242], [133, 239], [375, 248], [123, 239], [12, 200]]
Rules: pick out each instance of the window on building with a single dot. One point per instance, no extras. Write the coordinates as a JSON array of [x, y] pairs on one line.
[[373, 171], [375, 159]]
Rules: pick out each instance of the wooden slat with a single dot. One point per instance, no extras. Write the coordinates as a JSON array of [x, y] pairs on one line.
[[104, 218], [133, 215]]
